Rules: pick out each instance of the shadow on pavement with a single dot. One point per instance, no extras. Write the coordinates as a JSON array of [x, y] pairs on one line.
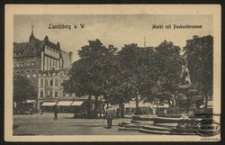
[[80, 118], [25, 134], [99, 125], [68, 118]]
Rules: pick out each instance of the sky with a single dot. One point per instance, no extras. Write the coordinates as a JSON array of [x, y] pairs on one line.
[[110, 29]]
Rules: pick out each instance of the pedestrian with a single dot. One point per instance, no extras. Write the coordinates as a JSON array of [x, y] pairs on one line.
[[55, 112], [41, 111], [31, 111], [109, 116]]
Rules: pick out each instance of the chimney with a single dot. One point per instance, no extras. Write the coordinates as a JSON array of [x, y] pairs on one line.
[[71, 57], [46, 38]]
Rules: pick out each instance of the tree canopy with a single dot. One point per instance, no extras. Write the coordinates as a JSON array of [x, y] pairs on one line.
[[22, 89], [138, 73], [90, 74], [199, 55]]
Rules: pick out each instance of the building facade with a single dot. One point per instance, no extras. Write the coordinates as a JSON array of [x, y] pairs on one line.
[[50, 88], [44, 64], [47, 66]]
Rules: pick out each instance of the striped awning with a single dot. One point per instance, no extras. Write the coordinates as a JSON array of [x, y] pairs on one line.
[[64, 103], [77, 103], [29, 101], [49, 104]]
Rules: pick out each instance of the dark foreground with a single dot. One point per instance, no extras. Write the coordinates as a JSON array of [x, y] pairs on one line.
[[44, 124]]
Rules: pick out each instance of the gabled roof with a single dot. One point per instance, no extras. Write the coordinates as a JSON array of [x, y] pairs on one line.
[[31, 48]]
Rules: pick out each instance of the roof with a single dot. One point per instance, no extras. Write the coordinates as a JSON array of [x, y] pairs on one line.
[[33, 47], [66, 59]]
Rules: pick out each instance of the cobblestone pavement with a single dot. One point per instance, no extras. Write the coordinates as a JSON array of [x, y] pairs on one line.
[[44, 124]]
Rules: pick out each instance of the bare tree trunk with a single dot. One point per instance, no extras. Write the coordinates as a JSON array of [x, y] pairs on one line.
[[137, 105], [121, 110], [206, 103], [89, 107], [96, 107]]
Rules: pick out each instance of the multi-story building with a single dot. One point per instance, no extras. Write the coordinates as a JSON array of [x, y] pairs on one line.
[[49, 87], [47, 66], [44, 63]]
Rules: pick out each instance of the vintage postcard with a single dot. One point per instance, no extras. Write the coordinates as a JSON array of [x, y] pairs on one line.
[[87, 73]]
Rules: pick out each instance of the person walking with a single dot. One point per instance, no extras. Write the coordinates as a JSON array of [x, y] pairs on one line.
[[55, 112], [109, 116]]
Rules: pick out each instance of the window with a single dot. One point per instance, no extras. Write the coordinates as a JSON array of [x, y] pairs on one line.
[[51, 82], [56, 94], [41, 94]]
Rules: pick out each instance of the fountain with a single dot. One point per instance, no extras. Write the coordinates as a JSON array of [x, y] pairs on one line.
[[185, 124]]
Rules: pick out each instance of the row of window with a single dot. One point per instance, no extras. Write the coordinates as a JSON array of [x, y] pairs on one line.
[[50, 94], [28, 75], [27, 71], [52, 49], [34, 76], [51, 63], [20, 64], [49, 83]]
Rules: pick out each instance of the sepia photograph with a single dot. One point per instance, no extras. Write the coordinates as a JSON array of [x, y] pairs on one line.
[[112, 73]]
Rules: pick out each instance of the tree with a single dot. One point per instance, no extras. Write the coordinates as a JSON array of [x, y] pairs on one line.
[[199, 55], [169, 66], [117, 91], [89, 73], [138, 69], [22, 89]]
